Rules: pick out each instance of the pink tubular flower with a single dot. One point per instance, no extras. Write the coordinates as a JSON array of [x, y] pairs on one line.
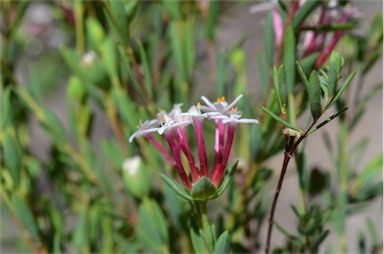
[[173, 126]]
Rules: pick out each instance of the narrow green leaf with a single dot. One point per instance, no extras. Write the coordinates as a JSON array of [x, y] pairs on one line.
[[173, 8], [284, 231], [308, 63], [203, 189], [318, 240], [223, 243], [5, 108], [152, 229], [227, 179], [176, 187], [147, 69], [342, 88], [196, 240], [25, 215], [335, 62], [275, 77], [301, 162], [302, 74], [372, 232], [269, 39], [314, 93], [274, 116], [263, 74], [211, 23], [289, 58], [304, 11], [283, 85], [221, 74], [12, 157], [327, 121], [95, 32], [108, 54]]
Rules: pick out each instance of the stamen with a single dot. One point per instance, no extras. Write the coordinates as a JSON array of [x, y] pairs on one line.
[[198, 105], [234, 109]]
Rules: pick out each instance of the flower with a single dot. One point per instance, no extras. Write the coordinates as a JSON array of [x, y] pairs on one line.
[[173, 126]]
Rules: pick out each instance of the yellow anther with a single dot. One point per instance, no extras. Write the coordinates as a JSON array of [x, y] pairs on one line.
[[234, 109], [222, 99], [198, 105], [162, 118]]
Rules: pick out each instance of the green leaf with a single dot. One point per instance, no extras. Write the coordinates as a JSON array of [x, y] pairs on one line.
[[314, 93], [289, 58], [282, 85], [5, 108], [302, 74], [173, 8], [203, 189], [196, 240], [371, 172], [304, 11], [81, 233], [221, 74], [342, 88], [335, 61], [108, 54], [318, 240], [317, 182], [25, 215], [275, 77], [269, 39], [372, 232], [95, 32], [227, 179], [301, 162], [223, 243], [327, 121], [152, 229], [176, 187], [12, 157], [263, 74], [286, 124], [146, 68], [212, 17]]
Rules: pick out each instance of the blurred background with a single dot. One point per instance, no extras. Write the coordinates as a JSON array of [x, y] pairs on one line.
[[47, 26]]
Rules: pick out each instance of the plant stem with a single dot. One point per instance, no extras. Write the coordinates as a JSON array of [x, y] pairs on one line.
[[290, 148], [287, 157], [203, 213]]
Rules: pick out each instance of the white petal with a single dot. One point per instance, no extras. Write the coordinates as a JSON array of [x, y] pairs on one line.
[[208, 102], [230, 106]]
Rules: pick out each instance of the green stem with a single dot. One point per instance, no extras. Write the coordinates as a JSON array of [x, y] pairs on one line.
[[79, 28], [203, 213]]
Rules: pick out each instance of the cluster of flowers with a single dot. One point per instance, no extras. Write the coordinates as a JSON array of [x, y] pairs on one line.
[[331, 13], [172, 126]]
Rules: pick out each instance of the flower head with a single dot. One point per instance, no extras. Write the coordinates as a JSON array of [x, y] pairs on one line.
[[173, 126]]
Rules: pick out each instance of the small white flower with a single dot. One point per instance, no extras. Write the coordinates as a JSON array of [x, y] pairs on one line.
[[220, 106], [173, 119], [131, 165], [88, 58], [235, 117], [146, 127]]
